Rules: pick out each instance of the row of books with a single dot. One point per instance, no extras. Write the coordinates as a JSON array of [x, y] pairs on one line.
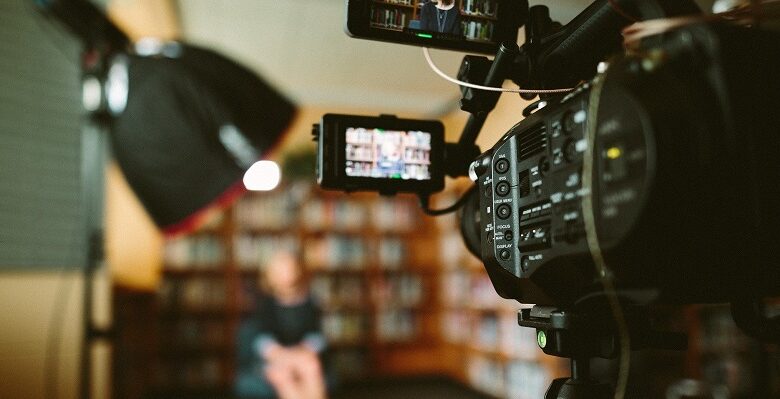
[[280, 211], [461, 288], [399, 290], [266, 211], [367, 138], [391, 325], [371, 156], [252, 251], [383, 215], [518, 379], [193, 294], [345, 327], [402, 2], [336, 252], [477, 30], [199, 251], [396, 325], [339, 291], [455, 288], [391, 253], [480, 7], [388, 18], [334, 215], [350, 291], [495, 333], [189, 333]]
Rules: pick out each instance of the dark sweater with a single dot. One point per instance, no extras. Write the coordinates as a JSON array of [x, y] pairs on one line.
[[286, 325], [432, 19]]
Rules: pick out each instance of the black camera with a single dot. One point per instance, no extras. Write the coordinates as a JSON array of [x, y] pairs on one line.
[[655, 180], [667, 162]]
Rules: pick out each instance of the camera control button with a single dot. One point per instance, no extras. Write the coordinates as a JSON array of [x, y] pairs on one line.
[[505, 254], [502, 188], [504, 211], [502, 165]]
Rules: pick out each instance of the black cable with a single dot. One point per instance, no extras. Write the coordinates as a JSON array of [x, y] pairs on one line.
[[425, 204]]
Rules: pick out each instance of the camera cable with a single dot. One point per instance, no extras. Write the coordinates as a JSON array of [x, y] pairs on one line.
[[589, 219], [448, 78], [425, 204]]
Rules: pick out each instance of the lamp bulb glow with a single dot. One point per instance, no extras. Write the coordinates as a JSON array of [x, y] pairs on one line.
[[262, 176]]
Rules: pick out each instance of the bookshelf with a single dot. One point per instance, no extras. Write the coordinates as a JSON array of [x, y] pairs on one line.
[[370, 271]]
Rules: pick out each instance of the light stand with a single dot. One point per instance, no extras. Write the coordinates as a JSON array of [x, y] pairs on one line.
[[102, 40]]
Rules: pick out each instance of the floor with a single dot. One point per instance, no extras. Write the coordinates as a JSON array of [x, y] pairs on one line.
[[385, 388], [413, 387]]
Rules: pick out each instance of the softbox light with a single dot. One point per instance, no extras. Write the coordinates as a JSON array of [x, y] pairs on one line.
[[193, 123]]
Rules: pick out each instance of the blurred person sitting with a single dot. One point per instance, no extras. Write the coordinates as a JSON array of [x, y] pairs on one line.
[[280, 345]]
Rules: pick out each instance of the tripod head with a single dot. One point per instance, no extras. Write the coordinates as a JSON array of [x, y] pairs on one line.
[[583, 335]]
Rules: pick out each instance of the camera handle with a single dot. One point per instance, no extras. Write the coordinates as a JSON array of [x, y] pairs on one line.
[[510, 62], [581, 336]]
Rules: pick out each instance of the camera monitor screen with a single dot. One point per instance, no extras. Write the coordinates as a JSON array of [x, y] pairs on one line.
[[385, 154], [467, 25], [388, 154]]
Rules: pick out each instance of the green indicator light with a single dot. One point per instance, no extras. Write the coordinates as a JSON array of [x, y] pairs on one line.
[[541, 339], [425, 35]]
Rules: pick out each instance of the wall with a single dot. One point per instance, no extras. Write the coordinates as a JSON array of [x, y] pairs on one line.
[[33, 306]]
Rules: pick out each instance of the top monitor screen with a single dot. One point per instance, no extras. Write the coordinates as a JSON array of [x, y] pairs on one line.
[[468, 25]]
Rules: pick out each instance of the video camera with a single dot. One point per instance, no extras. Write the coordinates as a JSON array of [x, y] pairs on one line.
[[655, 179]]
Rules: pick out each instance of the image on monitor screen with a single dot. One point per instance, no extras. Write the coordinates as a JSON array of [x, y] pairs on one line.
[[388, 154], [472, 20]]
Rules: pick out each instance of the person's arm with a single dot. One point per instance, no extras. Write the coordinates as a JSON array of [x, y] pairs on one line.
[[314, 338], [457, 28], [426, 22], [245, 351], [315, 341], [265, 345]]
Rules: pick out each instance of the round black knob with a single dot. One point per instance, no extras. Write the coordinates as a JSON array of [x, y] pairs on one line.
[[502, 165], [504, 211], [502, 188]]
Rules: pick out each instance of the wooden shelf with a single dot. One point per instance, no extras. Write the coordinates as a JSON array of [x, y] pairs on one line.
[[215, 272], [394, 28], [387, 3], [479, 16], [194, 351]]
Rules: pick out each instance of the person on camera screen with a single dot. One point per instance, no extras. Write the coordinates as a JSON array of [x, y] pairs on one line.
[[442, 16]]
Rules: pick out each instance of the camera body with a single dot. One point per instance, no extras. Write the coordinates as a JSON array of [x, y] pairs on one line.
[[683, 185], [385, 154]]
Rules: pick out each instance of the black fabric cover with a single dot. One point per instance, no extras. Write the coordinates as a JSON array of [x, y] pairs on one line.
[[167, 139]]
